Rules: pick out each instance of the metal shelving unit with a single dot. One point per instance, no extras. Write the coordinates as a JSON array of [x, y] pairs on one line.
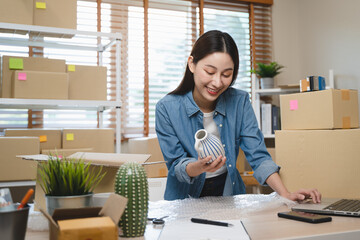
[[61, 38]]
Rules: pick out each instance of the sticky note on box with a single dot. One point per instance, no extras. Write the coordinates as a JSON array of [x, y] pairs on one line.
[[16, 64], [40, 5]]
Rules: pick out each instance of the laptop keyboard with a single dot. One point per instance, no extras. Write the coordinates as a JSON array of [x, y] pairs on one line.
[[345, 205]]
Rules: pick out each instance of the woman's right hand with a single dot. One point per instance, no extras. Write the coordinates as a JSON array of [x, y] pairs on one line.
[[194, 169]]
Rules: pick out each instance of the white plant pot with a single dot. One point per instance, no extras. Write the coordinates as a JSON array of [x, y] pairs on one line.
[[266, 83]]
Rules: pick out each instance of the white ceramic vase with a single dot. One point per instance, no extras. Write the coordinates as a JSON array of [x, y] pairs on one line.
[[207, 144]]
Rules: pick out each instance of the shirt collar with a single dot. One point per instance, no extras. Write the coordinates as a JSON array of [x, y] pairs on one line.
[[192, 108]]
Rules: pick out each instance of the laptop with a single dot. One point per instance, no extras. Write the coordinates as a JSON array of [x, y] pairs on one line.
[[335, 207]]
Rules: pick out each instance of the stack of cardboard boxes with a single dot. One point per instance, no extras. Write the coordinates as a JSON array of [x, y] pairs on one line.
[[35, 141], [49, 13], [43, 78], [318, 146]]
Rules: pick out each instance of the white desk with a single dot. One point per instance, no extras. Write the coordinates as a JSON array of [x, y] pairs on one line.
[[257, 212]]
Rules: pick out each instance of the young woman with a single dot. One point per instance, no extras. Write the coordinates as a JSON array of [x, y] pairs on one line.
[[205, 99]]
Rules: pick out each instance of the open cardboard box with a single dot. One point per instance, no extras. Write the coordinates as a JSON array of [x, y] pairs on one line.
[[110, 162], [87, 223]]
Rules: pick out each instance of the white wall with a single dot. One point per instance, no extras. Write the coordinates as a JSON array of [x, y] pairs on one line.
[[312, 36]]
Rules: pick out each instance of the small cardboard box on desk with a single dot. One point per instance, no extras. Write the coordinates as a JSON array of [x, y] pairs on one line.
[[110, 162], [87, 223]]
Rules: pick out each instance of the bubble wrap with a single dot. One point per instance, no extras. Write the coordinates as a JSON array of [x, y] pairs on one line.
[[37, 221], [225, 208]]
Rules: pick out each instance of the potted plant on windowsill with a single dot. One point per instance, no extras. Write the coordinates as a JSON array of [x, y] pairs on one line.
[[67, 182], [266, 73]]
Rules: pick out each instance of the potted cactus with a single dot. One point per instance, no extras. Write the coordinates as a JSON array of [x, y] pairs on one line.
[[131, 182], [67, 182]]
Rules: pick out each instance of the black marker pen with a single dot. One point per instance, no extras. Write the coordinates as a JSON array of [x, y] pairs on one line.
[[205, 221]]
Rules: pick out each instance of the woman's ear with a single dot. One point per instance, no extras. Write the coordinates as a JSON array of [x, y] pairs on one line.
[[191, 64]]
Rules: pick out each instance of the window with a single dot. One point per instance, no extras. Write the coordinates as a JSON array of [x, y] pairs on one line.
[[233, 19], [157, 39]]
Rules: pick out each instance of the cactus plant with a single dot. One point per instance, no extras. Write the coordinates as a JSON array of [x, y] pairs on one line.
[[131, 182]]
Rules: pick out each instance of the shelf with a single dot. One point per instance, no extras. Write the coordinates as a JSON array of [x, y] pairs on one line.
[[17, 184], [274, 91], [15, 103], [269, 136], [64, 38], [60, 38]]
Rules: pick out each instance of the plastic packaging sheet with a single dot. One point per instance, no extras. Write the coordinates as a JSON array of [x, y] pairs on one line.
[[36, 220], [225, 208]]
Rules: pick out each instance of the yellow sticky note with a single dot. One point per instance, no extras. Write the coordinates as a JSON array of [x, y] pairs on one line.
[[69, 137], [71, 68], [43, 138], [16, 63], [41, 5]]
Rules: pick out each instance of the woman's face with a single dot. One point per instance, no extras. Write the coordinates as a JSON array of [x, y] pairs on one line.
[[212, 75]]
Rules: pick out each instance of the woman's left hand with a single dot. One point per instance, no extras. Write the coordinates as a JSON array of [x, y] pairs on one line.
[[303, 194]]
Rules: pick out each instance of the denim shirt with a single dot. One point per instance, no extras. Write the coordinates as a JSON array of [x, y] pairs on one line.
[[178, 118]]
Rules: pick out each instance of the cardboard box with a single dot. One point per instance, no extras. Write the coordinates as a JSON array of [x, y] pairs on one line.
[[40, 85], [87, 223], [241, 161], [272, 153], [149, 145], [99, 139], [87, 82], [49, 138], [10, 64], [109, 161], [64, 152], [324, 159], [16, 11], [327, 109], [12, 168], [243, 165], [53, 13]]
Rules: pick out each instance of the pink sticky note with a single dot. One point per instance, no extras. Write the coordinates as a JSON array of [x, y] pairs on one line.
[[293, 104], [21, 76]]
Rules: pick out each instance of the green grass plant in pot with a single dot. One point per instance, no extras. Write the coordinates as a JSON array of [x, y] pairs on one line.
[[67, 182], [266, 73]]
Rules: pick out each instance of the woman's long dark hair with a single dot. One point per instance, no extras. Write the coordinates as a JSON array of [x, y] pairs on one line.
[[208, 43]]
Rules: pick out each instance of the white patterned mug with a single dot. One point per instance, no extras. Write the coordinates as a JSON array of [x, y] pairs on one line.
[[207, 144]]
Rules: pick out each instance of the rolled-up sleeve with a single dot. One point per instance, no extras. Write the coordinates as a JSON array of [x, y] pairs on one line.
[[180, 170], [264, 170]]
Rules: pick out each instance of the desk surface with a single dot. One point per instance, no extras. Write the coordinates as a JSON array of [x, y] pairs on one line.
[[261, 223]]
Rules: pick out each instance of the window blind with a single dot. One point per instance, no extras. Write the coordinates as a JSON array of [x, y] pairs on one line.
[[232, 18], [13, 118], [261, 27], [172, 30]]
